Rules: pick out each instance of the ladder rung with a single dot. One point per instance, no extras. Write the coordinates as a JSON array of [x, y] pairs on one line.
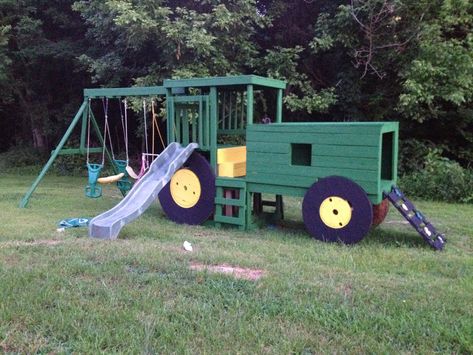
[[230, 202]]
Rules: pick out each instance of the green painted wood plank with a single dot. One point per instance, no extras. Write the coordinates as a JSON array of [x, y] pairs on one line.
[[361, 128], [234, 132], [277, 190], [229, 220], [177, 124], [309, 138], [277, 158], [230, 202], [237, 119], [370, 164], [226, 81], [190, 99], [83, 130], [310, 171], [230, 113], [242, 118], [200, 140], [185, 127], [230, 182], [169, 117], [299, 181], [124, 92], [249, 105], [206, 124], [77, 151], [193, 123], [213, 98], [223, 96], [279, 106], [268, 148], [319, 150]]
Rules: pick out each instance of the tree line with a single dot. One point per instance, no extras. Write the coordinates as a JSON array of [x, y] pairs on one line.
[[409, 61]]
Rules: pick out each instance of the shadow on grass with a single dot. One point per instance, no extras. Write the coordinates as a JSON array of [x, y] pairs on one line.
[[390, 238], [377, 236]]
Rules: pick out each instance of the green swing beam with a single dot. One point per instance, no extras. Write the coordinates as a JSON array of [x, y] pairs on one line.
[[81, 114]]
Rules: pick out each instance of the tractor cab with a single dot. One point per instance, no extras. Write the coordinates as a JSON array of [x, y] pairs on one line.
[[215, 112]]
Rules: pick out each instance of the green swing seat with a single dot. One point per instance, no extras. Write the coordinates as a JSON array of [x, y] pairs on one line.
[[124, 184], [92, 190]]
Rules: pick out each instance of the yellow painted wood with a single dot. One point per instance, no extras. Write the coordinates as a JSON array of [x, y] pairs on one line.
[[231, 155], [185, 188], [236, 169], [335, 212], [231, 161]]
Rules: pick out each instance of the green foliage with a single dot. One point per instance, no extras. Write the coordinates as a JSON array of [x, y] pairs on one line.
[[282, 63], [411, 61], [165, 40], [440, 78], [440, 179], [19, 156], [358, 60], [412, 155]]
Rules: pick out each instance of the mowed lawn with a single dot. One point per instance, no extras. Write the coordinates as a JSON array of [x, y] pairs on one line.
[[63, 292]]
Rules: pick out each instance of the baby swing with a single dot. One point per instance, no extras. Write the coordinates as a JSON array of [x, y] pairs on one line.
[[146, 155]]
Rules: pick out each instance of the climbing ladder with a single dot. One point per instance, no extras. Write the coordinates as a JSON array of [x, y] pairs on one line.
[[416, 219], [230, 202]]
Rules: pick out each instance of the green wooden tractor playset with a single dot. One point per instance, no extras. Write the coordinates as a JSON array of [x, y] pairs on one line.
[[345, 172]]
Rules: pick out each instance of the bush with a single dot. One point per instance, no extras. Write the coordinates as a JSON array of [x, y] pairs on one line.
[[70, 165], [20, 156], [412, 155], [440, 179]]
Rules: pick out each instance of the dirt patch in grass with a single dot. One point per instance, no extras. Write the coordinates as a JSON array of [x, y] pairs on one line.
[[235, 271]]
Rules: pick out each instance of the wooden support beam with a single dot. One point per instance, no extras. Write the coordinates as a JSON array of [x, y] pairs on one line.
[[249, 104], [213, 127], [24, 201], [279, 107]]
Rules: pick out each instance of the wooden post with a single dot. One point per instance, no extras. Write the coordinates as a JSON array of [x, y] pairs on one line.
[[279, 107], [55, 153], [213, 127], [249, 104], [170, 116], [83, 130]]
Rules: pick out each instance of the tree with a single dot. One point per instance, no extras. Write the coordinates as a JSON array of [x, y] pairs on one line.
[[405, 60], [40, 80], [147, 40]]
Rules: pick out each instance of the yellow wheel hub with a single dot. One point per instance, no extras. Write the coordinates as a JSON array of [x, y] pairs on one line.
[[335, 212], [185, 188]]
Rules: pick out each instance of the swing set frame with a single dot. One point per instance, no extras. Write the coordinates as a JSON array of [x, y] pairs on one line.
[[82, 117]]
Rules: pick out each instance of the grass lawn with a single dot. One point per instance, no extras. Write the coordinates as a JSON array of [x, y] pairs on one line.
[[62, 292]]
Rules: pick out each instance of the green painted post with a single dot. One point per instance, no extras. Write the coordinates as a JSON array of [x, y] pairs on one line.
[[185, 125], [223, 96], [230, 113], [169, 114], [242, 118], [213, 127], [249, 104], [279, 107], [200, 123], [83, 130], [77, 117]]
